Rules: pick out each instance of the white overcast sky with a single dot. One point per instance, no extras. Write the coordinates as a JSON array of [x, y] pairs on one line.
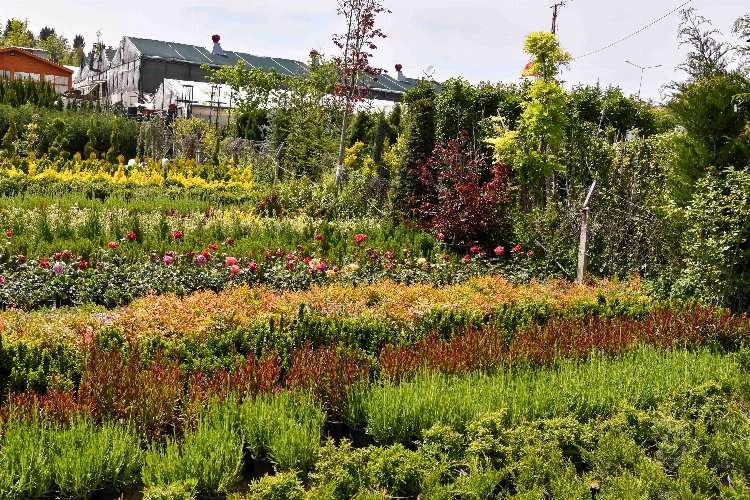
[[480, 40]]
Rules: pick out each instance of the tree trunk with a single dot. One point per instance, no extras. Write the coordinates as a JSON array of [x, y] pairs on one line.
[[342, 146]]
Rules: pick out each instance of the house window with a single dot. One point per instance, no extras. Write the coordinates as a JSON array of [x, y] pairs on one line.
[[60, 82], [4, 74], [22, 75]]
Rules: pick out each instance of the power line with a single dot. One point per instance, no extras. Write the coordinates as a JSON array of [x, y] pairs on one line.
[[635, 32]]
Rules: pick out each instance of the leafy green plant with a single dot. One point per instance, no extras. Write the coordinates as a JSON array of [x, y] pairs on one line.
[[283, 428], [25, 470], [86, 457], [282, 486], [212, 455], [179, 490]]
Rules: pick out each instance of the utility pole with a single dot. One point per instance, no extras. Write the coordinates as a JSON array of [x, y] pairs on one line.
[[584, 235], [555, 8]]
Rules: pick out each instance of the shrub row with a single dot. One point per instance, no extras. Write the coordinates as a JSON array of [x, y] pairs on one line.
[[648, 424]]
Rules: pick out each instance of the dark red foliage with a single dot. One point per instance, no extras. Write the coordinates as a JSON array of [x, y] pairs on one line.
[[253, 377], [664, 327], [56, 406], [327, 373], [463, 197], [124, 389]]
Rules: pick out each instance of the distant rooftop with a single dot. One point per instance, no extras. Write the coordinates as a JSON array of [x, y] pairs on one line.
[[196, 55]]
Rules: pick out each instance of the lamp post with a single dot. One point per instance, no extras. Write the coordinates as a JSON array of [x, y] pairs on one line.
[[643, 70]]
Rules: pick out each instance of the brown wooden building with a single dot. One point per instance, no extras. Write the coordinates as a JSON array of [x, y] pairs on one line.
[[22, 64]]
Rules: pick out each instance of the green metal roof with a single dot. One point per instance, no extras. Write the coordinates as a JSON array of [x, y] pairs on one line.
[[193, 54]]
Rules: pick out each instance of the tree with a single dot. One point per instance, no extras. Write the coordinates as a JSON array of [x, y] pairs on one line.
[[17, 34], [708, 56], [46, 32], [716, 241], [462, 197], [57, 46], [353, 65], [418, 143], [9, 139], [532, 150]]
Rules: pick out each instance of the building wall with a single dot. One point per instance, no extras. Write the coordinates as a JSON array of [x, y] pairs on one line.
[[23, 63], [154, 72]]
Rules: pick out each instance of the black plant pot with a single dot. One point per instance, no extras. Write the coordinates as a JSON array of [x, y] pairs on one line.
[[108, 493], [263, 467], [360, 438], [409, 497], [336, 431], [208, 497], [410, 445]]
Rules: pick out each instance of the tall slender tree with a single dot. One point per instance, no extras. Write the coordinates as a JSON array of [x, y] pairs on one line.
[[353, 65]]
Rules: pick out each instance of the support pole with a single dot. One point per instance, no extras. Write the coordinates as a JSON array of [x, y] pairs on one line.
[[584, 235]]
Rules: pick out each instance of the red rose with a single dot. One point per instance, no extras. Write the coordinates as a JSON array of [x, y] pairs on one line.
[[516, 248], [130, 235], [499, 250], [8, 233], [177, 235], [112, 245], [230, 241]]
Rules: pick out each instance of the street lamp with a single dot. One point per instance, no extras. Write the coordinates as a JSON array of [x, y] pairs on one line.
[[643, 70]]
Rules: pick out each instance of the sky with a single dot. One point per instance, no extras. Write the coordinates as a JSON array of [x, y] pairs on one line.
[[480, 40]]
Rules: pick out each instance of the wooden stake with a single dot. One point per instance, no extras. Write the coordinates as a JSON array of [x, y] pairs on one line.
[[584, 235]]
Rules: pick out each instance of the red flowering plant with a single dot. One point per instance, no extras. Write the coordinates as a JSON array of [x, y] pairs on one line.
[[465, 196]]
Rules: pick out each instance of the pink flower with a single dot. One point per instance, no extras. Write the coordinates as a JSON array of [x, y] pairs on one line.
[[200, 259], [112, 245], [252, 266], [388, 254], [58, 268], [83, 265], [322, 266], [230, 261], [9, 234], [290, 256], [230, 241], [474, 249], [499, 250], [279, 252], [440, 236], [22, 259], [359, 238], [234, 269], [530, 253], [213, 246], [1, 280], [318, 237], [290, 265], [130, 235], [516, 248], [467, 258], [168, 259], [44, 263], [177, 235]]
